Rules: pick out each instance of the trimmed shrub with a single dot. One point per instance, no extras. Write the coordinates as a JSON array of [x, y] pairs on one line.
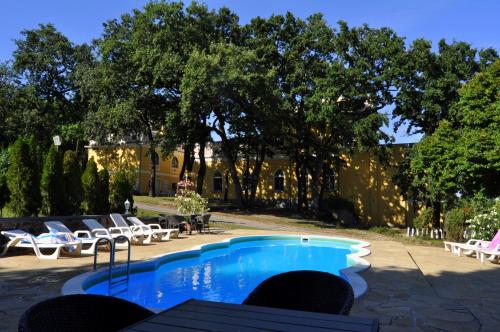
[[52, 184], [424, 219], [90, 184], [455, 223], [340, 209], [121, 189], [4, 193], [103, 193], [23, 180], [72, 178]]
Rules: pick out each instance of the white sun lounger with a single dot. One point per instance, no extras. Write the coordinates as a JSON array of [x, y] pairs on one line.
[[159, 233], [84, 236], [58, 242], [99, 231], [137, 235], [467, 248], [493, 254]]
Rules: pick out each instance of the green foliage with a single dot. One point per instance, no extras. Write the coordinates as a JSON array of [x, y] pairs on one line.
[[4, 192], [429, 82], [463, 154], [23, 180], [72, 178], [103, 200], [455, 223], [485, 225], [52, 184], [424, 219], [190, 202], [4, 188], [90, 184], [121, 189]]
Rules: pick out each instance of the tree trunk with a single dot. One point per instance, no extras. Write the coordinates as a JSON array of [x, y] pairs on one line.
[[226, 188], [185, 161], [202, 170], [315, 195], [436, 214], [234, 174], [152, 159], [255, 177]]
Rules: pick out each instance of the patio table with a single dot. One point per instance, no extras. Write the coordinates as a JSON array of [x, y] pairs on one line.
[[198, 315]]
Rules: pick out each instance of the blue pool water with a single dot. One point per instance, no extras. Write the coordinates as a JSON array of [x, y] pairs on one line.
[[227, 274]]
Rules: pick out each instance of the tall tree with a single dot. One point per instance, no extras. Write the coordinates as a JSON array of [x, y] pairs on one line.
[[45, 62], [90, 184], [72, 178], [236, 90], [429, 82], [52, 184], [23, 180], [103, 199]]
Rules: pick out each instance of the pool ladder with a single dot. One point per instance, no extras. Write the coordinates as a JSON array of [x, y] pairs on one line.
[[112, 251]]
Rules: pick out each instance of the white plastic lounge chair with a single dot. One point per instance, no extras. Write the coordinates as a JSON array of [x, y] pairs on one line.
[[85, 237], [98, 231], [58, 242], [491, 254], [136, 233], [472, 247], [159, 233]]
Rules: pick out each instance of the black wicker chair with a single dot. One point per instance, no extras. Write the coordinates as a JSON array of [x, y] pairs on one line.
[[304, 290], [82, 312]]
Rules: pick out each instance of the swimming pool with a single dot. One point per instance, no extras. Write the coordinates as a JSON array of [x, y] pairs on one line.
[[228, 271]]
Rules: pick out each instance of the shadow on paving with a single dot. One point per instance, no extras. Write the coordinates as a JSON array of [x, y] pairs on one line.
[[406, 300], [402, 299]]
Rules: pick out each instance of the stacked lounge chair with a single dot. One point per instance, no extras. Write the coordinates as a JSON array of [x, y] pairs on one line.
[[135, 233], [58, 242], [158, 233]]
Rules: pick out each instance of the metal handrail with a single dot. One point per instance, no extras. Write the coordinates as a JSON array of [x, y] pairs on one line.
[[128, 255], [112, 252]]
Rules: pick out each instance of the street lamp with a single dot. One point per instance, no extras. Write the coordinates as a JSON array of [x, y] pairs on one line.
[[127, 206], [57, 141]]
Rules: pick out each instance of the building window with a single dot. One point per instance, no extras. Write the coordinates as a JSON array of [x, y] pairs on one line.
[[217, 182], [279, 181], [175, 162], [174, 187]]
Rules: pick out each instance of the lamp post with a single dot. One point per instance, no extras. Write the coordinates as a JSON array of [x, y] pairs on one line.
[[127, 206], [57, 141]]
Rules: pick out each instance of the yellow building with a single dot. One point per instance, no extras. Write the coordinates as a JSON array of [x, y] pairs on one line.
[[363, 180]]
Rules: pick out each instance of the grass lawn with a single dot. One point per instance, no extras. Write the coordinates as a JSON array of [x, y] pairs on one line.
[[159, 200]]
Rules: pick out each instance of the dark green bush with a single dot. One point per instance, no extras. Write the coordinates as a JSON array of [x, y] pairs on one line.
[[23, 180], [103, 200], [52, 184], [90, 183], [455, 223], [340, 210], [72, 177], [121, 189], [424, 219]]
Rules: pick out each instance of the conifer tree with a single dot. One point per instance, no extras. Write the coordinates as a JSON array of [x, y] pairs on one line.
[[52, 184], [72, 177], [103, 193], [121, 190], [23, 180], [90, 183], [4, 193]]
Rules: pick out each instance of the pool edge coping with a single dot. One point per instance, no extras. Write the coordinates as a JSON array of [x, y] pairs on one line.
[[75, 285]]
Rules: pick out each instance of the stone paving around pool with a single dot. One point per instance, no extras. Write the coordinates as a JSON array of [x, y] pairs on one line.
[[411, 288]]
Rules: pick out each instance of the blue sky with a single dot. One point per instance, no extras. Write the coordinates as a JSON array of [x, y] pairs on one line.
[[474, 21]]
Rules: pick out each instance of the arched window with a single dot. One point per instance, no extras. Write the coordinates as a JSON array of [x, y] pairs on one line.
[[217, 182], [279, 181], [175, 162]]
